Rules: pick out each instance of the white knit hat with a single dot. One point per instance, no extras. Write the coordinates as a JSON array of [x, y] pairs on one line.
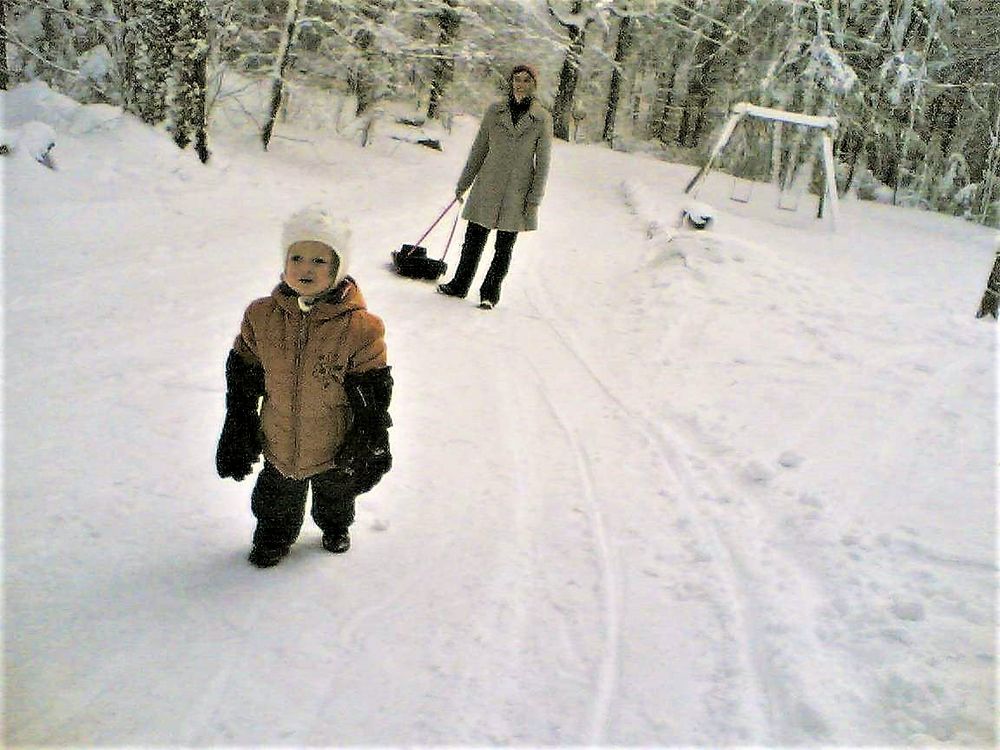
[[314, 223]]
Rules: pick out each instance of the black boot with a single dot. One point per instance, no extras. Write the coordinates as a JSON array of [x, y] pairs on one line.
[[337, 541], [266, 557], [489, 292], [472, 250], [451, 291]]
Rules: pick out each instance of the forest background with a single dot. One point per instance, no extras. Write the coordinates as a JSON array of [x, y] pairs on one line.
[[913, 83]]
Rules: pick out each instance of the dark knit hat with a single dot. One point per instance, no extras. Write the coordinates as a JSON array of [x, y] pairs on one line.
[[525, 68]]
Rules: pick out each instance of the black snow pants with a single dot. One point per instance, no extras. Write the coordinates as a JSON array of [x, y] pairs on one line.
[[279, 505], [472, 251]]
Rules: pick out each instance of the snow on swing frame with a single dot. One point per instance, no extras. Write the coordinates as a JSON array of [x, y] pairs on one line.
[[828, 126]]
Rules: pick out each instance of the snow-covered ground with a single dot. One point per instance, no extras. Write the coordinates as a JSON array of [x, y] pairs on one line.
[[679, 488]]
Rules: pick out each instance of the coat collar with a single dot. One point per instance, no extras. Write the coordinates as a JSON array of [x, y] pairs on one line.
[[344, 298], [535, 113]]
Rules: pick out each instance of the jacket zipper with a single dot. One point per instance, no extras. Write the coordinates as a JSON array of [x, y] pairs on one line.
[[300, 345]]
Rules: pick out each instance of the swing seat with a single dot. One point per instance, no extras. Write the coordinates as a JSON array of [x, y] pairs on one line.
[[789, 201], [741, 191]]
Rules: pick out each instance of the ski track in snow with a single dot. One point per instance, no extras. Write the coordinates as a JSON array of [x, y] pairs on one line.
[[606, 681], [767, 635], [734, 600], [526, 383]]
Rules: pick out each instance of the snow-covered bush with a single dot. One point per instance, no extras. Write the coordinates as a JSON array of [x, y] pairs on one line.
[[95, 66]]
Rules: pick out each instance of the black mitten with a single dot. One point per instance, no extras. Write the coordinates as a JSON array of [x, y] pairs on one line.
[[365, 457], [240, 444], [365, 454]]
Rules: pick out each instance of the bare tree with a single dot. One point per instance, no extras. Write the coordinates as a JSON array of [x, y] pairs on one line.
[[622, 47], [157, 23], [4, 76], [444, 65], [123, 53], [988, 305], [293, 11], [576, 27], [191, 60]]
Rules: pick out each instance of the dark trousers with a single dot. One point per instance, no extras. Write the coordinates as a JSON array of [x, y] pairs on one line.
[[472, 251], [279, 505]]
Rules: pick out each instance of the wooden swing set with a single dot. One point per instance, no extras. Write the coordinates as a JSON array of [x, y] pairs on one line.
[[827, 126]]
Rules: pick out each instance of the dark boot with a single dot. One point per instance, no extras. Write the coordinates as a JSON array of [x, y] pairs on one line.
[[337, 541], [472, 251], [266, 557], [450, 290], [279, 504], [489, 292], [333, 508]]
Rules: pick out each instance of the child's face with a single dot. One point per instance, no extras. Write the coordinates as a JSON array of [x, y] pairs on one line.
[[310, 268]]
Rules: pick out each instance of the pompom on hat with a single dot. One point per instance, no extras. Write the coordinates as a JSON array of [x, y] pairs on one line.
[[316, 224]]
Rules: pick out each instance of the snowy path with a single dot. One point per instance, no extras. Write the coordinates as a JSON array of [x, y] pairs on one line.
[[626, 508]]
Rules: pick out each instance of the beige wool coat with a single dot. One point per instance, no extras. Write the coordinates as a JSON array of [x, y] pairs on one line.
[[305, 415], [507, 168]]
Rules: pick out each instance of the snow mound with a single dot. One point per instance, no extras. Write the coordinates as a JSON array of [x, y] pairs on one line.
[[32, 141], [36, 101], [36, 139]]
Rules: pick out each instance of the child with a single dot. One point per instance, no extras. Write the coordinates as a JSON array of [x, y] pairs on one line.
[[317, 357]]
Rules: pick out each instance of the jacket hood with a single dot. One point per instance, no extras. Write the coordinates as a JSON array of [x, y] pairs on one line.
[[340, 299]]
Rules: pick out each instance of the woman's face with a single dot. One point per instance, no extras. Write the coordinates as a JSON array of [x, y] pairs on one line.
[[522, 85]]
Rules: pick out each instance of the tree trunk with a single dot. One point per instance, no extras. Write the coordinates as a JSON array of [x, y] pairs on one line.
[[568, 75], [991, 173], [854, 145], [988, 304], [697, 113], [701, 84], [444, 66], [123, 54], [192, 62], [199, 80], [362, 84], [280, 64], [614, 89], [4, 75], [157, 26], [635, 97], [942, 116], [660, 108]]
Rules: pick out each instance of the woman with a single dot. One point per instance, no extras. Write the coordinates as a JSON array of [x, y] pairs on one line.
[[507, 168]]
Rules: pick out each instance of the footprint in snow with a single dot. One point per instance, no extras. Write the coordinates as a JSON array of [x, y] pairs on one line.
[[790, 459], [909, 611], [811, 500], [758, 473]]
